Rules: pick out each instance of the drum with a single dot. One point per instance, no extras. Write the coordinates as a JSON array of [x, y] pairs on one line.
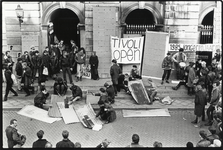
[[182, 64]]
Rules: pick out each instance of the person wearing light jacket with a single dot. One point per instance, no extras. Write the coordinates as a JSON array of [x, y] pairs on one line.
[[80, 59]]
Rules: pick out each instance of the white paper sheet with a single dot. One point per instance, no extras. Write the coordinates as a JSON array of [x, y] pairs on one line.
[[146, 113]]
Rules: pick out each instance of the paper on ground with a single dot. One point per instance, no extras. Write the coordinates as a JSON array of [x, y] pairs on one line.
[[145, 113], [37, 113], [68, 114], [54, 110], [176, 82]]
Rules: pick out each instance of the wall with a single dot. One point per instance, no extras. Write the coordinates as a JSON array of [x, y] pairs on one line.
[[217, 39]]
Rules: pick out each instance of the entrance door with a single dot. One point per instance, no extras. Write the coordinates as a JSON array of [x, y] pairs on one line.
[[155, 50], [65, 26]]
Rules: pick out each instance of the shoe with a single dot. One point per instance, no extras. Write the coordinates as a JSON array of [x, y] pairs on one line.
[[77, 79], [162, 82], [167, 81], [27, 95], [194, 122], [5, 99], [15, 94], [208, 124]]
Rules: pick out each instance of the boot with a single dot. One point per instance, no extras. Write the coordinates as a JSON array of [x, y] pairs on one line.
[[162, 82], [195, 121]]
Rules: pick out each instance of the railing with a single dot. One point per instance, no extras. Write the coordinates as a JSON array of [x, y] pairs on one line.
[[139, 29], [206, 34]]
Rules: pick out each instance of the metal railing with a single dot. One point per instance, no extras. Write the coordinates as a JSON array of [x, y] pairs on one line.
[[206, 34], [139, 29]]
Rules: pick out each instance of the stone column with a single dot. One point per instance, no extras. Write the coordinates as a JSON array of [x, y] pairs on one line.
[[217, 33]]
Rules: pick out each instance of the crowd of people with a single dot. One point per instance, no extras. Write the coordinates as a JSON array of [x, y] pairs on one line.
[[17, 140]]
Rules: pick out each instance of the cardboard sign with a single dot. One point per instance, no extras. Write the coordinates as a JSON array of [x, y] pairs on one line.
[[127, 50]]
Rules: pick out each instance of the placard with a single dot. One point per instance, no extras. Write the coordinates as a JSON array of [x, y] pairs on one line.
[[127, 50]]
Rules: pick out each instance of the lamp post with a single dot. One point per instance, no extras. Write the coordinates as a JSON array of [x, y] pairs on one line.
[[20, 14]]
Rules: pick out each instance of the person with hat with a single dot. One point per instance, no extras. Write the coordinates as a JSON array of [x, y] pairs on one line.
[[115, 71], [80, 59], [167, 65], [19, 72], [178, 58], [77, 93]]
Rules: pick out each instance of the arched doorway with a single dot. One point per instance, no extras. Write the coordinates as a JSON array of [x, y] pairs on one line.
[[139, 20], [65, 25]]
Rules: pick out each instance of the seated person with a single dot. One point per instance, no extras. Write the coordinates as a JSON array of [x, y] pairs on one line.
[[103, 95], [76, 93], [134, 74], [110, 92], [60, 87], [123, 83], [40, 99], [106, 112]]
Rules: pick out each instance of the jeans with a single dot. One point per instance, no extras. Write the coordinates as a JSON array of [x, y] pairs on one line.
[[67, 69], [166, 74]]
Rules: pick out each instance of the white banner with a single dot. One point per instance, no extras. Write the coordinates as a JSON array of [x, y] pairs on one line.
[[127, 50], [194, 47]]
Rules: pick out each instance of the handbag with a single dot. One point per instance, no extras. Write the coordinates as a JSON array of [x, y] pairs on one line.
[[14, 79], [45, 71]]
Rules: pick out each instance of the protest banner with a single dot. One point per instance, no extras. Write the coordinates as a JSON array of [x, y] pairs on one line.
[[127, 50]]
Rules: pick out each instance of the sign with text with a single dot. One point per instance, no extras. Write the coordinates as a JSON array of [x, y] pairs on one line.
[[127, 50], [194, 47]]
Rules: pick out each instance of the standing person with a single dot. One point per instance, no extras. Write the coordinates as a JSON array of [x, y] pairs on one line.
[[26, 58], [37, 65], [135, 141], [74, 47], [51, 32], [19, 72], [26, 78], [200, 100], [61, 47], [45, 64], [198, 67], [9, 60], [14, 138], [115, 71], [65, 143], [72, 61], [167, 66], [215, 95], [55, 49], [134, 74], [65, 65], [54, 65], [177, 58], [40, 143], [93, 61], [80, 59], [9, 82], [191, 77]]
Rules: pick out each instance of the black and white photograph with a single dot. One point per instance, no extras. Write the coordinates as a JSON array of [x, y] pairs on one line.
[[111, 74]]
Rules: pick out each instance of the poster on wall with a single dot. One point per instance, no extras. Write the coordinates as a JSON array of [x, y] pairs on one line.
[[127, 50]]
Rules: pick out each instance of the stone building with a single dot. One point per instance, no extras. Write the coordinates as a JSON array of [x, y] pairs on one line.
[[91, 23]]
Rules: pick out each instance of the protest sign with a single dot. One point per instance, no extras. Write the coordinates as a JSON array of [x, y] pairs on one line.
[[127, 50]]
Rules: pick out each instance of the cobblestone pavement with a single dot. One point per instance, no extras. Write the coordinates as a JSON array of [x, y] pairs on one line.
[[173, 131]]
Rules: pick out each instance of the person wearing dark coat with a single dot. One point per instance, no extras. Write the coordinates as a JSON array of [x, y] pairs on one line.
[[93, 61], [9, 60], [76, 93], [115, 71], [65, 65], [200, 100], [26, 58], [73, 64], [9, 82], [14, 138], [19, 72], [54, 65], [26, 78], [59, 87], [55, 49], [45, 64], [65, 143], [134, 73], [40, 99], [191, 77], [110, 92], [167, 65], [40, 143], [106, 112], [37, 65]]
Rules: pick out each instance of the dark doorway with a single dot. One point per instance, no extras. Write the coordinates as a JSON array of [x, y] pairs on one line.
[[138, 21], [65, 26]]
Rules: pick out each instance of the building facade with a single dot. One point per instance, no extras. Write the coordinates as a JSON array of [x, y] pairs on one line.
[[91, 23]]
